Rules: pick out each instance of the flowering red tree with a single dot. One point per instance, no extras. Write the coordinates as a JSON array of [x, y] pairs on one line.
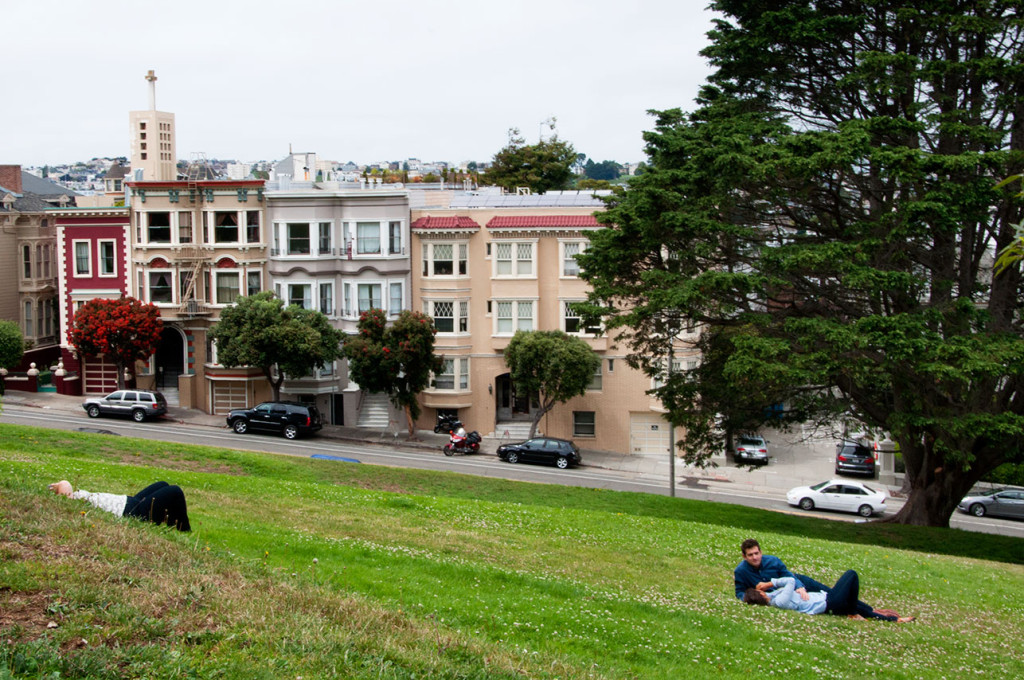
[[397, 359], [123, 330]]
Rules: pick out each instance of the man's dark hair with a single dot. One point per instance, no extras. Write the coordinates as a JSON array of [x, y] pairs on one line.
[[748, 544], [755, 596]]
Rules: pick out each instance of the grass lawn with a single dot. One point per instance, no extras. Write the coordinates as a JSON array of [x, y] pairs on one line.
[[300, 568]]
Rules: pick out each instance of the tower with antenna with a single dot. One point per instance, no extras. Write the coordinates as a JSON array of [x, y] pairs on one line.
[[153, 141]]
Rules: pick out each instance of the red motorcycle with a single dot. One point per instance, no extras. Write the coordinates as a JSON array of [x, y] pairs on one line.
[[461, 442]]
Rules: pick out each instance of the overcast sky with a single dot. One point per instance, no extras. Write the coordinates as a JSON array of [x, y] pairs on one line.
[[365, 81]]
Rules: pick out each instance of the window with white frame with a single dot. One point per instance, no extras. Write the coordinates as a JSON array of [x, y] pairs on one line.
[[300, 294], [395, 238], [443, 312], [158, 227], [346, 299], [324, 242], [297, 238], [253, 283], [395, 302], [445, 380], [570, 249], [225, 227], [369, 295], [184, 282], [28, 318], [47, 256], [584, 424], [463, 316], [252, 226], [108, 258], [444, 259], [454, 371], [596, 380], [227, 287], [677, 366], [327, 299], [513, 315], [40, 315], [83, 258], [184, 227], [368, 238], [513, 259], [26, 261], [161, 286], [572, 322]]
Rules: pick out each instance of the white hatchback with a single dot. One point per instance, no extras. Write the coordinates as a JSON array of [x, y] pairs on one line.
[[839, 494]]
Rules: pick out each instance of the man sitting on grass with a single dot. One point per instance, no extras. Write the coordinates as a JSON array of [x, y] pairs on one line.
[[757, 570]]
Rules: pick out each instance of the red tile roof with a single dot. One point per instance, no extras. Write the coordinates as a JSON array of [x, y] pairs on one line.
[[543, 221], [458, 222]]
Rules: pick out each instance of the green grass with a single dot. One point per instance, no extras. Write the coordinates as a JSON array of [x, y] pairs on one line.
[[313, 569]]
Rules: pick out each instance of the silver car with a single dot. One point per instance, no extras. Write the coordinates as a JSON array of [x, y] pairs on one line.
[[136, 404], [751, 449], [998, 503]]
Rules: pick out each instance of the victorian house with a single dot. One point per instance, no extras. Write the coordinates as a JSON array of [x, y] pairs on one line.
[[340, 248]]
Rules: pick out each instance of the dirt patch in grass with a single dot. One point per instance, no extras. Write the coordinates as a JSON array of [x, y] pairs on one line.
[[27, 613]]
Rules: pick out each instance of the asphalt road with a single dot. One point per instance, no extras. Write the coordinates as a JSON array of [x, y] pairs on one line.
[[481, 465]]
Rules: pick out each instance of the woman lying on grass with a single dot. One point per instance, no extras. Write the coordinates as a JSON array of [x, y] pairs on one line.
[[841, 600], [158, 503]]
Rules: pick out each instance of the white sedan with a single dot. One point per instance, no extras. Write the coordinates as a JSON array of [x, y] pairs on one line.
[[839, 494]]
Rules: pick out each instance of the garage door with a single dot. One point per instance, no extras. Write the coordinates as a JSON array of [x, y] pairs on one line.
[[100, 376], [648, 434], [228, 394]]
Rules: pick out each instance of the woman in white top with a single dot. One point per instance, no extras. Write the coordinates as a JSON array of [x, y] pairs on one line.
[[158, 503]]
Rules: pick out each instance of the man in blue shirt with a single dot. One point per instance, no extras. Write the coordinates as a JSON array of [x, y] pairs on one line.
[[757, 571]]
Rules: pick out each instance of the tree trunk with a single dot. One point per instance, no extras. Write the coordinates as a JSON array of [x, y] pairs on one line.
[[934, 496], [412, 426], [120, 375], [275, 383]]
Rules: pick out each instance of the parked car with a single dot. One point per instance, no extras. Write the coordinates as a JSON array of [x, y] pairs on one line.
[[839, 494], [290, 418], [855, 458], [751, 448], [546, 450], [998, 503], [138, 404]]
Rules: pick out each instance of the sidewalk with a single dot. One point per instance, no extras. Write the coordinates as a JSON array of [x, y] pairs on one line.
[[807, 461]]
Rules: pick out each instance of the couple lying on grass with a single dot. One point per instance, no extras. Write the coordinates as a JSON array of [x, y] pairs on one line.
[[765, 580]]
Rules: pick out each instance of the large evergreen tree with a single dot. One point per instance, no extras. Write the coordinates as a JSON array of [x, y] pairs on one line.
[[830, 215], [261, 331]]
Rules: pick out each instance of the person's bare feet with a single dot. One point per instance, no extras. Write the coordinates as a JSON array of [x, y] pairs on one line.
[[906, 619], [855, 617]]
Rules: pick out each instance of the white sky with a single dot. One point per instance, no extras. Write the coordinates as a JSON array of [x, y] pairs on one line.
[[366, 81]]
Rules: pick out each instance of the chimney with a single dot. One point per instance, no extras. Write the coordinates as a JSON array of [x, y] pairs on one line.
[[10, 178]]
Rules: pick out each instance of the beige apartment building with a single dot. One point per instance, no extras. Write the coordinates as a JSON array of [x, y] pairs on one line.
[[195, 247], [486, 266]]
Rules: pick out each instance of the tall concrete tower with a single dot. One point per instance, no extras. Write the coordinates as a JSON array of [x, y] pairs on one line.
[[153, 146]]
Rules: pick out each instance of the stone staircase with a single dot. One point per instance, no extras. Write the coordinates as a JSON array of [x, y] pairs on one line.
[[374, 413], [518, 430]]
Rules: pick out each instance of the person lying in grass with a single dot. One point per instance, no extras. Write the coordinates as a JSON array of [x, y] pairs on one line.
[[840, 600], [158, 503]]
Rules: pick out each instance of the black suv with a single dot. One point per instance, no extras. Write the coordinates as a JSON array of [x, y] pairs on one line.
[[854, 458], [290, 418]]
